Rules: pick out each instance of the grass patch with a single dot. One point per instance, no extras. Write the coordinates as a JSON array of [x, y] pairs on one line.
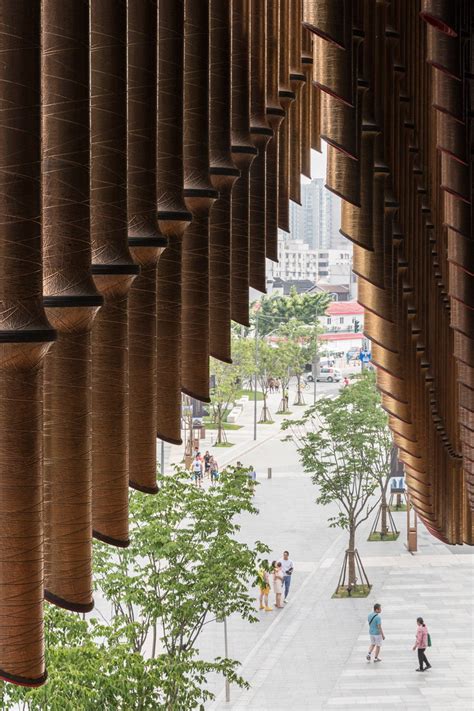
[[402, 507], [266, 422], [285, 412], [357, 591], [377, 536], [224, 444], [249, 394], [225, 426]]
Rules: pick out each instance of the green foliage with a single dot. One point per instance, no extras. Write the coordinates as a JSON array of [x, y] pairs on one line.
[[185, 567], [228, 380], [277, 310]]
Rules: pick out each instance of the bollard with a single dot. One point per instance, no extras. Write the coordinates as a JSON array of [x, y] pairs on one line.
[[269, 473]]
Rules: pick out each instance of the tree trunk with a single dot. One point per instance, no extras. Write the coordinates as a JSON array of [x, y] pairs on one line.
[[383, 516], [219, 425], [351, 557], [298, 390]]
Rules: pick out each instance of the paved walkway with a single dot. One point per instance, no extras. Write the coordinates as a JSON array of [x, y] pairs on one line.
[[311, 655]]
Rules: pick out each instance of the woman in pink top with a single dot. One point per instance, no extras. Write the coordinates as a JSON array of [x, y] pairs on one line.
[[421, 644]]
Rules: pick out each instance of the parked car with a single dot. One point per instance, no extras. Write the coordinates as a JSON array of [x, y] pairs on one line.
[[329, 375]]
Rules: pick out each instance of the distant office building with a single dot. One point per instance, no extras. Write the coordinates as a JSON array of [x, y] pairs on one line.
[[297, 260]]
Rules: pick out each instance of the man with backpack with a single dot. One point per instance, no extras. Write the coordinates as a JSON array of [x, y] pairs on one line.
[[376, 633]]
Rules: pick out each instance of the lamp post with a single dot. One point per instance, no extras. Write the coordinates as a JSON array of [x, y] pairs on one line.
[[255, 380], [315, 360]]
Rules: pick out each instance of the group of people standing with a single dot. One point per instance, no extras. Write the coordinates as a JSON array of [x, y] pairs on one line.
[[422, 639], [202, 466], [278, 577]]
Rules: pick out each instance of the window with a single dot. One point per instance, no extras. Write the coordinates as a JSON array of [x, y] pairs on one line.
[[341, 319], [329, 320]]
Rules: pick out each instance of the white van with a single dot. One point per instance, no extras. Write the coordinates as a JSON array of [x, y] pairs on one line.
[[329, 375]]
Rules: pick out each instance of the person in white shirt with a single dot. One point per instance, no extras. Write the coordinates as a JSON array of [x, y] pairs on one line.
[[287, 567]]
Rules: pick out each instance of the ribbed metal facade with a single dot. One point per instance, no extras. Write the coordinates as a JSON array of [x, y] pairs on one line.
[[148, 152]]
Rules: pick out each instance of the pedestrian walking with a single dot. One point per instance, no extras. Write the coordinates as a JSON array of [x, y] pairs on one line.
[[376, 632], [252, 474], [207, 458], [196, 468], [277, 582], [287, 567], [214, 470], [264, 586], [422, 641]]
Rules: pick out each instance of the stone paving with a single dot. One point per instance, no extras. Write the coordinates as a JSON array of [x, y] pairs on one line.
[[311, 655]]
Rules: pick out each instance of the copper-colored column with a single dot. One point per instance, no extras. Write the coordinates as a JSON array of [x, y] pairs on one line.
[[199, 197], [113, 269], [243, 153], [24, 338], [223, 176], [297, 79], [71, 300], [306, 103], [287, 96], [261, 133], [173, 217], [275, 115], [145, 241]]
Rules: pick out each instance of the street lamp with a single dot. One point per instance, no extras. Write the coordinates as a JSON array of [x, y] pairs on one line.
[[255, 380]]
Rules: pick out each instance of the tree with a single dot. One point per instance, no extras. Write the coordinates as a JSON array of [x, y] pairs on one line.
[[275, 310], [185, 567], [224, 390], [341, 443], [266, 367], [284, 353], [303, 340]]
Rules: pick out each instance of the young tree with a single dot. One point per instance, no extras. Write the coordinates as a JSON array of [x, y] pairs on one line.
[[266, 367], [277, 310], [284, 353], [185, 567], [225, 381], [303, 342], [340, 443]]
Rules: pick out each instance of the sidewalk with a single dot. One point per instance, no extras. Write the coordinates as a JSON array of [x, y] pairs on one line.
[[311, 655], [242, 439]]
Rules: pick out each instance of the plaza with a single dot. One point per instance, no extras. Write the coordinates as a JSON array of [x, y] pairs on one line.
[[311, 654]]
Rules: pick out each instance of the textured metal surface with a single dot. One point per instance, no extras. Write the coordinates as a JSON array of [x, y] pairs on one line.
[[72, 301], [224, 104], [199, 196], [113, 268], [224, 173]]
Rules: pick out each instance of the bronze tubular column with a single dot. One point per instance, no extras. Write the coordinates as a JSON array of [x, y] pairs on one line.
[[25, 336], [261, 133], [113, 269], [243, 153], [275, 115], [71, 302], [145, 241], [173, 217], [199, 197], [297, 79], [223, 176], [287, 97], [306, 103]]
